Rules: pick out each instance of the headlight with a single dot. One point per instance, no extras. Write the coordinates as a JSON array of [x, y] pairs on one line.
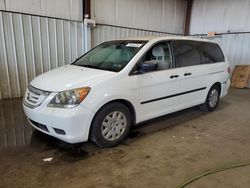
[[70, 98]]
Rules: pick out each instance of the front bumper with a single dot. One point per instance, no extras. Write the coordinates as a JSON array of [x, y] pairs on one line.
[[69, 125]]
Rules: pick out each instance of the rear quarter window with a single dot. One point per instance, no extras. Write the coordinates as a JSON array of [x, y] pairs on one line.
[[211, 53]]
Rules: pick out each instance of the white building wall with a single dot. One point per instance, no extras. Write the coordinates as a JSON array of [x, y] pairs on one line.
[[155, 15], [220, 16], [66, 9]]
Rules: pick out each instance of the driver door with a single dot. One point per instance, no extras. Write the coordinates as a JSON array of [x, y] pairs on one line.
[[158, 89]]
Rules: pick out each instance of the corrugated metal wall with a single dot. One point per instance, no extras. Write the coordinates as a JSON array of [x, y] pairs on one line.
[[102, 33], [237, 47], [66, 9], [31, 45], [220, 16], [157, 15]]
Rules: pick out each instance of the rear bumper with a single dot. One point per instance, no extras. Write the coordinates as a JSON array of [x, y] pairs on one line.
[[69, 125], [225, 87]]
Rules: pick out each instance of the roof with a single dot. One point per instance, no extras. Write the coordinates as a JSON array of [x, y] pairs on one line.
[[169, 37]]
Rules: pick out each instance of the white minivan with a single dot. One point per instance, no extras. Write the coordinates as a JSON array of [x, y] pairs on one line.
[[123, 82]]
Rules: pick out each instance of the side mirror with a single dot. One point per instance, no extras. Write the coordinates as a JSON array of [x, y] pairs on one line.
[[148, 66]]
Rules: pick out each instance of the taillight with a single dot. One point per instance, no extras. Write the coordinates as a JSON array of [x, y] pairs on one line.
[[229, 70]]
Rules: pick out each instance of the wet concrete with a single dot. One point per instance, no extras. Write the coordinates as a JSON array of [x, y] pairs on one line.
[[163, 152]]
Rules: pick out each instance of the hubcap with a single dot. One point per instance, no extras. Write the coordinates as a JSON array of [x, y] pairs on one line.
[[113, 125], [213, 98]]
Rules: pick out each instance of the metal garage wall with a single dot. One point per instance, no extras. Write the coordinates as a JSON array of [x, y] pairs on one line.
[[67, 9], [157, 15], [103, 33], [220, 16], [31, 45], [237, 47]]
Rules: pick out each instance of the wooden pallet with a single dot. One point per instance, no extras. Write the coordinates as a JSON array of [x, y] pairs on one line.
[[241, 77]]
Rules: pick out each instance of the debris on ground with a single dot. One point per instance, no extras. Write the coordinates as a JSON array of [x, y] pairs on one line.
[[48, 159]]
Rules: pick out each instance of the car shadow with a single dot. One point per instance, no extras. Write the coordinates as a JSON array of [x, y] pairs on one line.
[[172, 120]]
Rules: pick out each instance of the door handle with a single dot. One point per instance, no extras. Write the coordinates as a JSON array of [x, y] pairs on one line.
[[187, 74], [174, 76]]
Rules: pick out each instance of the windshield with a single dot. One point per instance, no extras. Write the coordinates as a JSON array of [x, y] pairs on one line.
[[112, 56]]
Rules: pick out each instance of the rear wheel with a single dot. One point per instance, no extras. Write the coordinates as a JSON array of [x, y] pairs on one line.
[[212, 99], [111, 125]]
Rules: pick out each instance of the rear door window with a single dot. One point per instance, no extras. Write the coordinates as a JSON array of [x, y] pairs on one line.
[[187, 53]]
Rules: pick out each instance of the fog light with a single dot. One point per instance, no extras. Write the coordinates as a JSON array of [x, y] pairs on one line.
[[59, 131]]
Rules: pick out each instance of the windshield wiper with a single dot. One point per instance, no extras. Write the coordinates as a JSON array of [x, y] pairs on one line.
[[89, 66], [95, 67], [108, 69]]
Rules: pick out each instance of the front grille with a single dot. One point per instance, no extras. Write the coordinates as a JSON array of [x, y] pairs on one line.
[[34, 97], [40, 126]]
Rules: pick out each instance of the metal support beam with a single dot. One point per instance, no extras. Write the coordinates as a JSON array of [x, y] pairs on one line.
[[86, 9], [188, 16]]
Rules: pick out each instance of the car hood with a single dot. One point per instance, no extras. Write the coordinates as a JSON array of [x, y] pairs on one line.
[[70, 77]]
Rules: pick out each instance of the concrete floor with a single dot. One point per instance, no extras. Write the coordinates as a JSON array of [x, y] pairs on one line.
[[164, 152]]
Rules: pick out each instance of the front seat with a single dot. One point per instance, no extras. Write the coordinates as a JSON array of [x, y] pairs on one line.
[[160, 57]]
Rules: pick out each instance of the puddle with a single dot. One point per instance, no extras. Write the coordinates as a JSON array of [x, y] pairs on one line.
[[15, 130], [17, 135]]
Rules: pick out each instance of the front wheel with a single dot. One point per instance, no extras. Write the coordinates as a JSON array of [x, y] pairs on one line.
[[111, 125], [212, 99]]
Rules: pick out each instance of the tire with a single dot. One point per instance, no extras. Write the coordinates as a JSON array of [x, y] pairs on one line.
[[111, 125], [212, 99]]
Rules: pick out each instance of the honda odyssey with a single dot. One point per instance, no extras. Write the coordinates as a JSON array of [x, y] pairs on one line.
[[123, 82]]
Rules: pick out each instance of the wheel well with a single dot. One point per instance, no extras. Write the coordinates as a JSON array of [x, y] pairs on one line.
[[128, 105], [218, 84]]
